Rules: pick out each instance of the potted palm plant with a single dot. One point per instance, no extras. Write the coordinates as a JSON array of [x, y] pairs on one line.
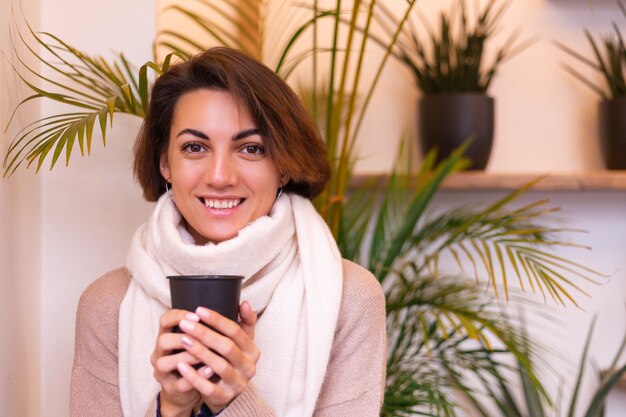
[[505, 403], [387, 230], [608, 59], [453, 75]]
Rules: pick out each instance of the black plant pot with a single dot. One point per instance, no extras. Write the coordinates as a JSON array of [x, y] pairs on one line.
[[612, 124], [447, 120]]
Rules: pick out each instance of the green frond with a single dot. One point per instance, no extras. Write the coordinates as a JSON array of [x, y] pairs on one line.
[[238, 25], [420, 342], [502, 236], [608, 59], [398, 238], [99, 87]]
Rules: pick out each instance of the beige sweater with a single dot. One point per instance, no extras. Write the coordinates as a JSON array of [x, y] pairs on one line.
[[354, 381]]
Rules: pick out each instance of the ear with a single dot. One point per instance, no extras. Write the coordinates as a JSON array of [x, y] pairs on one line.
[[164, 166], [283, 180]]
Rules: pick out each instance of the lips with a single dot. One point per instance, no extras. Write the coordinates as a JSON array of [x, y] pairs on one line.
[[222, 203]]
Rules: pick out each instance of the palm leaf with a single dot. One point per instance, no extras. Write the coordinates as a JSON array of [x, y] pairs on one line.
[[398, 238], [100, 87], [419, 344], [609, 59], [216, 21], [597, 403], [515, 232], [607, 383]]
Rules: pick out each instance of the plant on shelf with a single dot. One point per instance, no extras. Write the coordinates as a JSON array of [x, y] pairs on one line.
[[451, 69], [608, 60], [438, 323]]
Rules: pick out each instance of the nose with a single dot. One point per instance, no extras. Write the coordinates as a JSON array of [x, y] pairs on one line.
[[221, 170]]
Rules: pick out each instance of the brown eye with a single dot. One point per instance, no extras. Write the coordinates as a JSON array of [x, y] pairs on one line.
[[192, 147], [253, 149]]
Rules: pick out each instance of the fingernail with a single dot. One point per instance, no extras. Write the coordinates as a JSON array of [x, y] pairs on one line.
[[203, 312], [192, 317], [187, 325], [187, 341], [183, 368], [207, 372]]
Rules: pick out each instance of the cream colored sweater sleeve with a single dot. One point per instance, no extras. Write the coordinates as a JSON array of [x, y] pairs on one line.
[[94, 388], [354, 381]]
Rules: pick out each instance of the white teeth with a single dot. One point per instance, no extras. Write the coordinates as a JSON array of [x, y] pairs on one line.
[[221, 204]]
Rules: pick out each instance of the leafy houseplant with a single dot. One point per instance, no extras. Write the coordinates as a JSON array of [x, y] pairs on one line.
[[431, 317], [609, 60], [451, 71], [495, 384]]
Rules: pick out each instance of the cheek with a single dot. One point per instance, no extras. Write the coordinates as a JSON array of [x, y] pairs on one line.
[[266, 187], [185, 177], [270, 182]]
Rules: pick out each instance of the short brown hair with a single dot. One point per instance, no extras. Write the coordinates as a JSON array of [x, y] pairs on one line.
[[292, 140]]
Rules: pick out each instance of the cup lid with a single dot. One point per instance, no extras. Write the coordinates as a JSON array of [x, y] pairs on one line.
[[208, 276]]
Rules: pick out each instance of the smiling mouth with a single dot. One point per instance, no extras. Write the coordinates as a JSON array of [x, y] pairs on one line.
[[221, 204]]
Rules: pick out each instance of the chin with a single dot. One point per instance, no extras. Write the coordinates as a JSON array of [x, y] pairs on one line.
[[220, 237]]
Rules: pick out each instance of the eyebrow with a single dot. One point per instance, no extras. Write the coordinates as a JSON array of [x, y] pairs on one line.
[[241, 135], [193, 132], [245, 133]]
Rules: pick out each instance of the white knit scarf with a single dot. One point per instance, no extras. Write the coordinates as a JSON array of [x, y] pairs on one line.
[[292, 278]]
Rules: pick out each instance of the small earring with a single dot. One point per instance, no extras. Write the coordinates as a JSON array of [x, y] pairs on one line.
[[280, 192], [167, 189]]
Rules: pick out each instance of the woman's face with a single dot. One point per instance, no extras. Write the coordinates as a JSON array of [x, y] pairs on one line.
[[221, 177]]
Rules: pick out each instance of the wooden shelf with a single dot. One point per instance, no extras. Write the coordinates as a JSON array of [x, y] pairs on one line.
[[598, 180], [480, 180]]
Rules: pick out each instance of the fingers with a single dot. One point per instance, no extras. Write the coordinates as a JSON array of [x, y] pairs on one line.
[[176, 393], [231, 366], [232, 330], [171, 318], [164, 365], [168, 342], [216, 395], [222, 335], [248, 319], [227, 350], [163, 360]]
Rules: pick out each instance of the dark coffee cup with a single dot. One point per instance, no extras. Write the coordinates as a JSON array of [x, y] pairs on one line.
[[219, 293]]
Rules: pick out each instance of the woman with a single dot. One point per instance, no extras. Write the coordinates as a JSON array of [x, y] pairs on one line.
[[232, 160]]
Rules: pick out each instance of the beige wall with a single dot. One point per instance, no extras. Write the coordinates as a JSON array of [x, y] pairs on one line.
[[19, 257], [90, 209]]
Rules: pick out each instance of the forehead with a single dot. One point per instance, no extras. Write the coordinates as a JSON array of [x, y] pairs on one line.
[[206, 104]]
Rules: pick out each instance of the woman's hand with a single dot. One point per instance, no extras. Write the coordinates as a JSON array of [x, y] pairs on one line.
[[226, 348], [178, 397]]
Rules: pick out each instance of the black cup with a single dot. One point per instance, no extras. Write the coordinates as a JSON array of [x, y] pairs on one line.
[[219, 293]]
